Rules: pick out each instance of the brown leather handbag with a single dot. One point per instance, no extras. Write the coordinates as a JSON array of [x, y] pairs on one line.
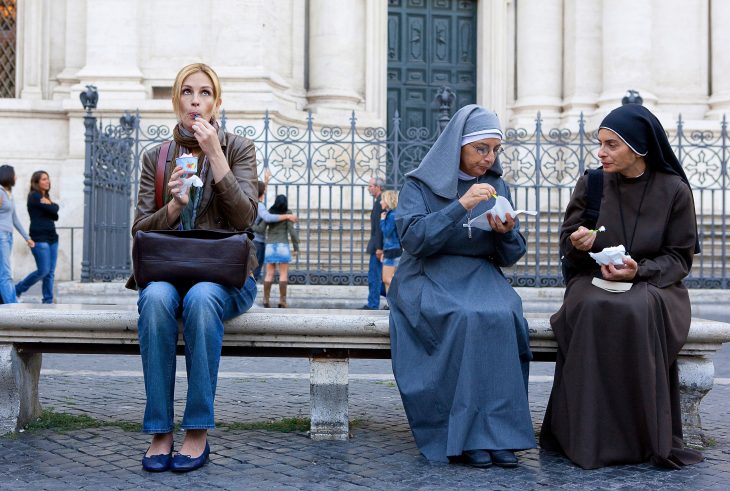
[[186, 257]]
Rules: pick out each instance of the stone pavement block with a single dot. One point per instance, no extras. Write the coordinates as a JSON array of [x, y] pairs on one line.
[[382, 454]]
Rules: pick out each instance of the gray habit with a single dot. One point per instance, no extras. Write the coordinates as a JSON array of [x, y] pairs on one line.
[[459, 341]]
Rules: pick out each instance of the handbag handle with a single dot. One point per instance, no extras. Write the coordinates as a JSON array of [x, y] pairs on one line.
[[160, 173]]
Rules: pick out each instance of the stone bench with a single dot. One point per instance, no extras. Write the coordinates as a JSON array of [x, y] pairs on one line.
[[329, 338]]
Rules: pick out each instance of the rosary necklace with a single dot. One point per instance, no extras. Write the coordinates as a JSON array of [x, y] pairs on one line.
[[468, 213]]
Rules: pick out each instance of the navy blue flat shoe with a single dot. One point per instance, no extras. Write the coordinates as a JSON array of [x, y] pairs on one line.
[[186, 463], [157, 463]]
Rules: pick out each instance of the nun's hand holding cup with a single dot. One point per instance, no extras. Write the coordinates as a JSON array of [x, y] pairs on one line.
[[499, 226], [476, 194], [625, 272], [175, 187], [582, 239]]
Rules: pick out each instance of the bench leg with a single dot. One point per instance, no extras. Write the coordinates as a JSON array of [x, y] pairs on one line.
[[19, 374], [696, 376], [328, 394]]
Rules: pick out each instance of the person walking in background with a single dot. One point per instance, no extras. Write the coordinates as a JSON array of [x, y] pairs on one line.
[[277, 250], [8, 221], [264, 218], [375, 246], [43, 212], [391, 243]]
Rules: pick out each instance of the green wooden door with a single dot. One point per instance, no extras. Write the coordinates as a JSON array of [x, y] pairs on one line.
[[431, 43]]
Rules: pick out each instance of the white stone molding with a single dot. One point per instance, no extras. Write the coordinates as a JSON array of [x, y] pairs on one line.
[[74, 48], [376, 63], [680, 57], [112, 50], [336, 54], [492, 66], [582, 68], [720, 59], [32, 49], [627, 51], [539, 60]]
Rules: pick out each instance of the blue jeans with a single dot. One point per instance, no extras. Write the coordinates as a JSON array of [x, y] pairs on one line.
[[375, 279], [203, 309], [260, 254], [7, 288], [45, 255]]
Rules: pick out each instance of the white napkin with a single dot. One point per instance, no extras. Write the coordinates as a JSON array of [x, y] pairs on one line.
[[500, 209], [610, 255], [190, 181]]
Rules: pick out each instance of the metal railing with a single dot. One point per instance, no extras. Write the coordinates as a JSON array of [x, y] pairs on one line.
[[325, 170]]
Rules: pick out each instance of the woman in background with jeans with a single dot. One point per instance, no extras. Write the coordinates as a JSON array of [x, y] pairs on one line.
[[391, 243], [43, 212], [8, 221]]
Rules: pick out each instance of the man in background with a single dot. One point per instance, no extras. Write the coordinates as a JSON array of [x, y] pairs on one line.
[[375, 246]]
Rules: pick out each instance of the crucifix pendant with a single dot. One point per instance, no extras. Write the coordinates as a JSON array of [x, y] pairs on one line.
[[468, 226]]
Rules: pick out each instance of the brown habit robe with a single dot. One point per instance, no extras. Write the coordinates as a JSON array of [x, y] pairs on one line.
[[615, 397]]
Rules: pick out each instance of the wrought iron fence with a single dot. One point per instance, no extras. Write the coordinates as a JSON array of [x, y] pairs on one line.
[[325, 171]]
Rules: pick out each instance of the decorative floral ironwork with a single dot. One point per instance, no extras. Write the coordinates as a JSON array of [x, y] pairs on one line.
[[325, 170]]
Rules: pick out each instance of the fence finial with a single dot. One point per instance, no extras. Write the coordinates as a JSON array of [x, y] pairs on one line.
[[89, 97], [632, 97]]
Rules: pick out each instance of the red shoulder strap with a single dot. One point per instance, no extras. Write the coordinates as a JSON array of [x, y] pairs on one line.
[[160, 173]]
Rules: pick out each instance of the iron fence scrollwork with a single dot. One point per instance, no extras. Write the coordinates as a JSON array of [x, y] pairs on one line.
[[324, 171]]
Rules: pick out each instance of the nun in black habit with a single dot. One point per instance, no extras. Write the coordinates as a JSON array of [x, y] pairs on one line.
[[615, 396], [459, 341]]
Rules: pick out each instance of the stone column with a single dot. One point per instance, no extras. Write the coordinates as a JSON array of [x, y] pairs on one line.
[[626, 57], [32, 48], [720, 59], [19, 375], [329, 378], [492, 69], [336, 54], [582, 70], [112, 50], [74, 48], [696, 376], [539, 61], [680, 57], [376, 68]]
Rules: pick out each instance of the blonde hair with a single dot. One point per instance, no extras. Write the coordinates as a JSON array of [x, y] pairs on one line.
[[389, 199], [184, 73]]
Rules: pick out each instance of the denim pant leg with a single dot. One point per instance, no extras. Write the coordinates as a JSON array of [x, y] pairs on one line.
[[158, 305], [375, 278], [205, 307], [260, 255], [7, 288], [41, 254], [48, 279]]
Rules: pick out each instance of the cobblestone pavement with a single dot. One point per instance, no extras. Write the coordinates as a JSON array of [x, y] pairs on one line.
[[380, 455]]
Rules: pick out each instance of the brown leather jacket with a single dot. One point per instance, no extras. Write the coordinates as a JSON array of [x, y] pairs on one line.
[[230, 204]]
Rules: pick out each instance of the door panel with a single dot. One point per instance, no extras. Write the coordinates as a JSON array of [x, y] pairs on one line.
[[431, 43]]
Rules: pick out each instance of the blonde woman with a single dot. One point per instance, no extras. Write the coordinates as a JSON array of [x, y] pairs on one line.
[[391, 243], [227, 201]]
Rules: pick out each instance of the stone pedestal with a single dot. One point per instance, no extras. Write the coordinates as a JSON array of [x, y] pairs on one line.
[[19, 374], [696, 376], [328, 393]]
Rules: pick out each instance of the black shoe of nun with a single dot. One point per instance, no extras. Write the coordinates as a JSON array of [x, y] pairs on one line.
[[476, 458], [504, 458]]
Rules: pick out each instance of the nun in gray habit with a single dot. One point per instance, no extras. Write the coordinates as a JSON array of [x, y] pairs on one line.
[[459, 340]]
